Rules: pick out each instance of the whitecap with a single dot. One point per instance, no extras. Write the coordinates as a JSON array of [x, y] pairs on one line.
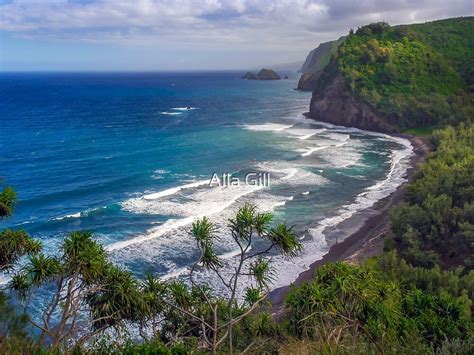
[[170, 113], [183, 108], [73, 215], [174, 190]]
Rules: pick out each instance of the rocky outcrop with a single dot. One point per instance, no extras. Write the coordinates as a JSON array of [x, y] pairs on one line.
[[263, 74], [336, 105]]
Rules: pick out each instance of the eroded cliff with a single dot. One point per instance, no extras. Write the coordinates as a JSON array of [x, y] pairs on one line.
[[336, 105]]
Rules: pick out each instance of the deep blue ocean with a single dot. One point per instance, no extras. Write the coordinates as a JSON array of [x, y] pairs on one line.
[[130, 155]]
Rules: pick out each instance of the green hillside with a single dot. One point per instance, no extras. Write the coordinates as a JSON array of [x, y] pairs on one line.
[[453, 38], [413, 75]]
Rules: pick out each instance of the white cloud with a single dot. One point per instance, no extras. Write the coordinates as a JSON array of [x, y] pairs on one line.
[[286, 26]]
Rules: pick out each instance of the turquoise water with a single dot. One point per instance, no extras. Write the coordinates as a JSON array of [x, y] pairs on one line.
[[120, 154]]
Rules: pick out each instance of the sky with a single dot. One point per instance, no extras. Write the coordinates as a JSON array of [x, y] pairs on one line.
[[164, 35]]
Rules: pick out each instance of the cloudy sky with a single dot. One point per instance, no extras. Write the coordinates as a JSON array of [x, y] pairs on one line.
[[188, 35]]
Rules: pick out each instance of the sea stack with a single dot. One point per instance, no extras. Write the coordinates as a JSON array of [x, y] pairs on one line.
[[263, 74], [267, 74]]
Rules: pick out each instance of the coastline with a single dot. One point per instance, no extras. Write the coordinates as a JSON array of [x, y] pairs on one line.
[[366, 241]]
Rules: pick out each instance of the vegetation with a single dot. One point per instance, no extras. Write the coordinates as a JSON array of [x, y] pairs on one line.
[[13, 245], [414, 75], [435, 224], [418, 297], [346, 306], [83, 298]]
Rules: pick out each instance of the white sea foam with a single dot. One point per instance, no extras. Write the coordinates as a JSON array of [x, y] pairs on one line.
[[80, 214], [159, 174], [175, 273], [206, 209], [4, 279], [183, 108], [275, 127], [73, 215], [306, 136], [172, 237], [174, 190], [170, 113], [206, 202], [310, 150], [303, 133]]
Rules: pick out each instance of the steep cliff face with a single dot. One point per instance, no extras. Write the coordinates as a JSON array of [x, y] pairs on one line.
[[318, 58], [315, 62], [305, 67], [335, 104]]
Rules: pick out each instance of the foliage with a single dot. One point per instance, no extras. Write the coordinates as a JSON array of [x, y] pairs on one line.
[[13, 244], [195, 311], [451, 37], [78, 282], [435, 224], [414, 75], [345, 301]]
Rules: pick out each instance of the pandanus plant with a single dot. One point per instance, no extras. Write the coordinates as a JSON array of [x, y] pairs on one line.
[[79, 286], [216, 317], [13, 244]]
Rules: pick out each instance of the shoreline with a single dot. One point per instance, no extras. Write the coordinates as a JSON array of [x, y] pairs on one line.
[[367, 240]]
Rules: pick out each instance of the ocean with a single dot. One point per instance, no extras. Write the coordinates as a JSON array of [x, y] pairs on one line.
[[130, 156]]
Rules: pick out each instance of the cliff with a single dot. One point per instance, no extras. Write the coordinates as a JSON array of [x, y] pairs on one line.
[[336, 105], [315, 62], [392, 79]]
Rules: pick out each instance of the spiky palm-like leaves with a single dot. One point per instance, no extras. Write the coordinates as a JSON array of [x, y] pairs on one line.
[[7, 202], [78, 282], [13, 244], [343, 301], [220, 315]]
